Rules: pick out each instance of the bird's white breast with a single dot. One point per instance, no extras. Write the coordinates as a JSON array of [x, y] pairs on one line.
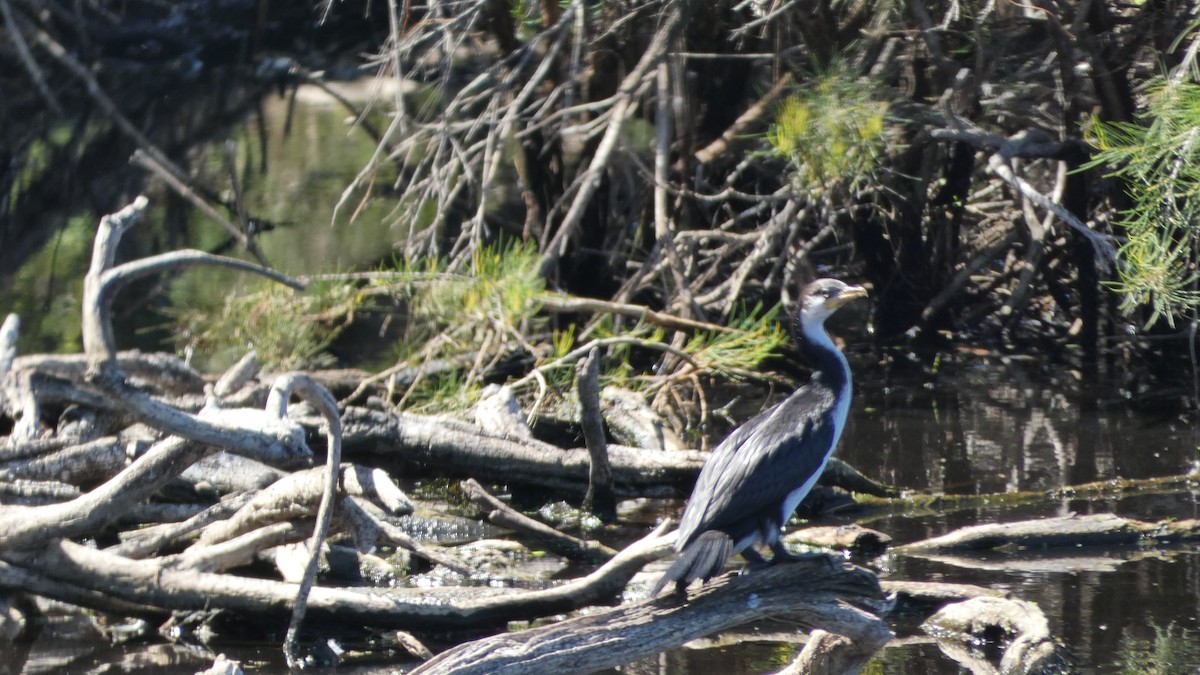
[[841, 410]]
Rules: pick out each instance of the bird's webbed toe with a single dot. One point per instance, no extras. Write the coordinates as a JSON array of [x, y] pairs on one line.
[[754, 560], [783, 555]]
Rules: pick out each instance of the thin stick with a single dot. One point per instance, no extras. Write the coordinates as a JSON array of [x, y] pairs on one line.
[[599, 498]]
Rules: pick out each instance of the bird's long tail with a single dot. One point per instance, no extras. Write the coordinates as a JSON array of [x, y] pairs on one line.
[[704, 559]]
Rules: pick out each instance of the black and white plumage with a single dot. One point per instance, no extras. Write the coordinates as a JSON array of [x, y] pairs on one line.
[[757, 476]]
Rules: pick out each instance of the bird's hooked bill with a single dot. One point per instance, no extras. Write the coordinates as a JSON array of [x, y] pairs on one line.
[[849, 293]]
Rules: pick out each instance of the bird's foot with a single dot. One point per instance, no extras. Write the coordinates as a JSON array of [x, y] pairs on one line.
[[754, 561], [783, 555]]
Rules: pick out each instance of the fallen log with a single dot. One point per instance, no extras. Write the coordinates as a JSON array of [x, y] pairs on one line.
[[1029, 646], [1073, 530], [467, 449], [101, 580], [537, 532], [813, 593], [843, 538]]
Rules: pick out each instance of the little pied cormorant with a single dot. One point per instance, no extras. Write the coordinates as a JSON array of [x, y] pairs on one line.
[[756, 477]]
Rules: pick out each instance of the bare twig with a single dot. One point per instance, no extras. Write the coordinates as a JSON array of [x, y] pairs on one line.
[[27, 60], [599, 498], [320, 398], [499, 513], [589, 179]]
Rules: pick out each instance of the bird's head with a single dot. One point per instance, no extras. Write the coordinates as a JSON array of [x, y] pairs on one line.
[[823, 297]]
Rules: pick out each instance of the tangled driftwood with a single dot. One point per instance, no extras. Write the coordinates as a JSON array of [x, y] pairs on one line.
[[86, 520]]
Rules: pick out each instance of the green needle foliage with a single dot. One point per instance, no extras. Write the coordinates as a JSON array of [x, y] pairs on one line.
[[756, 337], [472, 317], [289, 330], [833, 133], [1159, 159], [487, 310]]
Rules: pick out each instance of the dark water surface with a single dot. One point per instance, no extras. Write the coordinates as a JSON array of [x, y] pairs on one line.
[[979, 427], [964, 425]]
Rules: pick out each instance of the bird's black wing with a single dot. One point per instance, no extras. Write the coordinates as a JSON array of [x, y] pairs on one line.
[[758, 465]]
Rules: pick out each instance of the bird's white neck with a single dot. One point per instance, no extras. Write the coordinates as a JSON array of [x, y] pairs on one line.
[[831, 366]]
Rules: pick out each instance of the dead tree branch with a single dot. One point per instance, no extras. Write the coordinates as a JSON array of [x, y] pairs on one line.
[[813, 594]]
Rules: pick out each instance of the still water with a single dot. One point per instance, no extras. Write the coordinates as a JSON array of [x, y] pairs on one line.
[[962, 424], [977, 427]]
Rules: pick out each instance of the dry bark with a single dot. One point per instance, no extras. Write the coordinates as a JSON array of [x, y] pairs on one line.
[[1029, 647], [101, 580], [540, 534], [599, 498], [465, 448], [1089, 530], [812, 593]]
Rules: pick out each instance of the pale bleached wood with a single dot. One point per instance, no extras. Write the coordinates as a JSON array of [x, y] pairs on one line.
[[1087, 530], [466, 448], [817, 593], [1030, 647], [98, 579]]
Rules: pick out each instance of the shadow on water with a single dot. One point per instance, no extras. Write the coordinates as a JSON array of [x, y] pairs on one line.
[[973, 425], [294, 163]]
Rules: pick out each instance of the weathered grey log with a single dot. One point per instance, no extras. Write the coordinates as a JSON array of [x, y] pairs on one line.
[[813, 593], [21, 403], [632, 422], [1089, 530], [88, 463], [103, 581], [29, 526], [296, 495], [841, 537], [503, 515], [467, 449], [926, 596], [147, 541], [276, 440], [1030, 649], [34, 390], [599, 498], [16, 448], [377, 486], [238, 375], [160, 370], [840, 474], [1057, 560], [240, 550], [10, 331], [499, 414], [827, 652], [35, 492], [32, 579]]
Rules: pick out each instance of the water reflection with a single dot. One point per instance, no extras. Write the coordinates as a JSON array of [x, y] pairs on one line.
[[975, 425], [983, 426], [294, 161]]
